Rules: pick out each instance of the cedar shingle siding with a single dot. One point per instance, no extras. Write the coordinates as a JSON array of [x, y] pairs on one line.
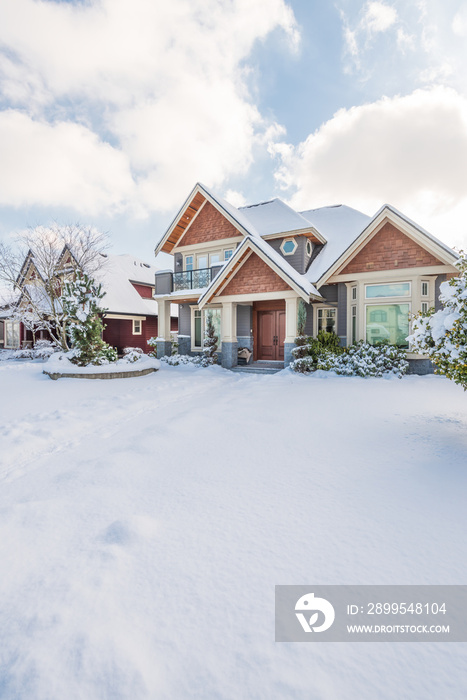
[[208, 226], [390, 249], [255, 276]]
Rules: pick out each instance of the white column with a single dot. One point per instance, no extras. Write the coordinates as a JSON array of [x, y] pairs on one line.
[[163, 324], [291, 308], [229, 322]]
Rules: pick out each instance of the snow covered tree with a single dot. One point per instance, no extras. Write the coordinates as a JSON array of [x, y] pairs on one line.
[[35, 269], [442, 335], [301, 341], [211, 340], [81, 305]]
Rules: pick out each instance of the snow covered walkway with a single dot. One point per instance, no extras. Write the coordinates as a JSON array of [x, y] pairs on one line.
[[144, 523]]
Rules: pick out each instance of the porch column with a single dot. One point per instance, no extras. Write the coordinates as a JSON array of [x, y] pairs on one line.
[[164, 345], [291, 309], [229, 334]]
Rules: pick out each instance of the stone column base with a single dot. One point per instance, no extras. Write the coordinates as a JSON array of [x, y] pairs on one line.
[[229, 355], [288, 357], [184, 345], [164, 347]]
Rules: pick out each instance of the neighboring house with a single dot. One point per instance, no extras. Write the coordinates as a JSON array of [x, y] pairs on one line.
[[131, 312], [359, 276]]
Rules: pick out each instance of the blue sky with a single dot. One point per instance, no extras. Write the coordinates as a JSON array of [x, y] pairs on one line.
[[111, 110]]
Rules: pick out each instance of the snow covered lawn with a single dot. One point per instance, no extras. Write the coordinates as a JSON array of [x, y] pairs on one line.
[[145, 522]]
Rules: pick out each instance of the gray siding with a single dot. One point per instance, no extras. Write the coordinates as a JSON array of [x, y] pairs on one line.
[[244, 320], [330, 293], [439, 280], [342, 312], [164, 283], [299, 260], [184, 319]]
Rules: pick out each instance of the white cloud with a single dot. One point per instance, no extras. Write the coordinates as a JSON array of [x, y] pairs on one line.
[[378, 17], [459, 23], [164, 84], [60, 165], [409, 151], [235, 198]]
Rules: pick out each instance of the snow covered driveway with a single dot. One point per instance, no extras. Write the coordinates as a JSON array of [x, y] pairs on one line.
[[145, 522]]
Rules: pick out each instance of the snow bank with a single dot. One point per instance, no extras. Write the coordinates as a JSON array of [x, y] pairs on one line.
[[60, 364], [144, 525]]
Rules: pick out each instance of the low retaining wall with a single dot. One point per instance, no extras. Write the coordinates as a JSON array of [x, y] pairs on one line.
[[102, 375]]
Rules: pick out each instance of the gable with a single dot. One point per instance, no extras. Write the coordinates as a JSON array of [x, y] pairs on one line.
[[389, 249], [255, 276], [208, 226]]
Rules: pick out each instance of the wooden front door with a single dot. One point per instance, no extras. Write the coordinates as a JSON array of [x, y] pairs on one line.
[[271, 334]]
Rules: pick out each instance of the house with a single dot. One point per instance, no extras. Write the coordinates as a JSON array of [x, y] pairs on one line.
[[359, 276], [131, 312]]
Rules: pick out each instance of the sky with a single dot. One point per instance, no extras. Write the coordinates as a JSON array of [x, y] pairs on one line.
[[112, 110]]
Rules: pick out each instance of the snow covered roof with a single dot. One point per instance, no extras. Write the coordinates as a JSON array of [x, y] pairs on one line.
[[274, 216], [340, 226], [256, 242], [116, 275]]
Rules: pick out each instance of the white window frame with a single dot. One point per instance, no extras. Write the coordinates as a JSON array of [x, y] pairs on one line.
[[286, 240], [373, 300], [134, 322], [199, 348], [425, 284], [5, 334], [389, 301], [309, 247], [315, 320]]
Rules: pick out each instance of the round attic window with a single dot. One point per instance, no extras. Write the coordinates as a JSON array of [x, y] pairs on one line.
[[309, 248], [289, 246]]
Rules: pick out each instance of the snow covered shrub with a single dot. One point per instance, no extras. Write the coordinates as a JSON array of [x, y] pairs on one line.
[[43, 349], [313, 348], [174, 341], [198, 360], [210, 341], [442, 335], [301, 341], [365, 360], [304, 365], [132, 354], [81, 302]]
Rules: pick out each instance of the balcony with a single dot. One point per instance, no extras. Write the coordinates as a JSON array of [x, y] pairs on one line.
[[168, 282], [194, 279]]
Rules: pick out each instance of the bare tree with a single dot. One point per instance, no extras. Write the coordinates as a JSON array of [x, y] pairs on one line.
[[36, 267]]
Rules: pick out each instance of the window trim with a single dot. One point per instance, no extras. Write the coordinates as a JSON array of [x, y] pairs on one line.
[[422, 285], [407, 302], [135, 332], [5, 334], [194, 309], [316, 319], [309, 247], [286, 240], [387, 284]]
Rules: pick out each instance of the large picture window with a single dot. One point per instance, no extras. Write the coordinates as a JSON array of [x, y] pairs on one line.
[[387, 323], [199, 327]]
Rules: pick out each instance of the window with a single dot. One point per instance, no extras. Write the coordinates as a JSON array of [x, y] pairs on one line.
[[137, 326], [199, 326], [354, 293], [12, 339], [309, 248], [424, 289], [228, 254], [289, 246], [214, 259], [327, 320], [376, 291], [354, 324], [188, 263], [387, 323], [424, 306]]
